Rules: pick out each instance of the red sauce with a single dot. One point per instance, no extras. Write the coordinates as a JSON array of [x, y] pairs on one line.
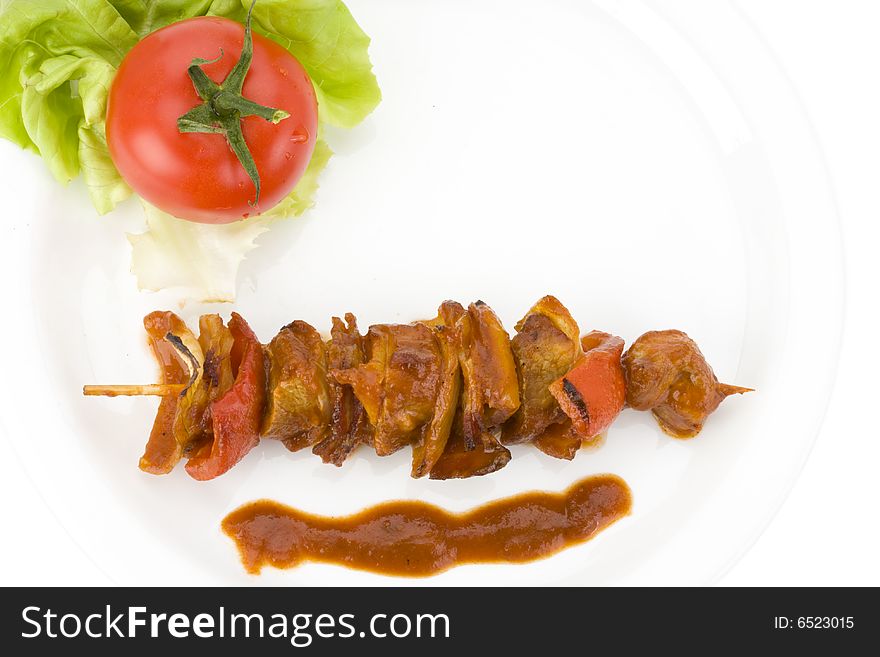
[[415, 539]]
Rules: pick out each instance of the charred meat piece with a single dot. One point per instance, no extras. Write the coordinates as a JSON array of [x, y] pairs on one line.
[[432, 441], [667, 375], [593, 392], [545, 347], [489, 392], [162, 451], [349, 424], [193, 426], [459, 462], [491, 386], [399, 384], [298, 406], [560, 441]]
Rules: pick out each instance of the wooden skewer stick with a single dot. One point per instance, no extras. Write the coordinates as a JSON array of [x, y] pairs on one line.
[[727, 389], [156, 389]]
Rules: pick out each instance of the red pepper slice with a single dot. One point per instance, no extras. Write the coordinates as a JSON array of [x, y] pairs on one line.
[[593, 392], [236, 416]]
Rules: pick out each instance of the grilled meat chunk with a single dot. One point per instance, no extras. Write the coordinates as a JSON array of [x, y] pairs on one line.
[[349, 424], [399, 383], [545, 347], [298, 409], [667, 374], [163, 451]]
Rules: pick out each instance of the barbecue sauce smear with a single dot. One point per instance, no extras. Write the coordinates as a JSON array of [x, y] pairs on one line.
[[415, 539]]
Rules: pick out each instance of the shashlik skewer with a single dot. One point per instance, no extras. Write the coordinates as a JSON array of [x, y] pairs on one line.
[[455, 388]]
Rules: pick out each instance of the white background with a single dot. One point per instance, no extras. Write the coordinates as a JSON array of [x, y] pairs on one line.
[[827, 532]]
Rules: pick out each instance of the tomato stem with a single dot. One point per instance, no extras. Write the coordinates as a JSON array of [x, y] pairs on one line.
[[224, 105], [226, 102]]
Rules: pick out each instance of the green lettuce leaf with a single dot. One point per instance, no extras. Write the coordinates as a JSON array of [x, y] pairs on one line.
[[59, 58], [324, 37], [199, 260], [145, 16]]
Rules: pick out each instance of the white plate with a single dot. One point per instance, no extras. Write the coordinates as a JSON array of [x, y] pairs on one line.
[[646, 163]]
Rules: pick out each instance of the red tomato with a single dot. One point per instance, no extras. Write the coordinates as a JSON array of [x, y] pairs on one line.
[[196, 176]]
